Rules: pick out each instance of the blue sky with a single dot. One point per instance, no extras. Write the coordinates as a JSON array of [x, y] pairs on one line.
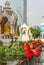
[[35, 10]]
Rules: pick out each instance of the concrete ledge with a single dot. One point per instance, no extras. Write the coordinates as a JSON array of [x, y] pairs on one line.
[[6, 40]]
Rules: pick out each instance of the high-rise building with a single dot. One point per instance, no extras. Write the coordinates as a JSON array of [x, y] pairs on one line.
[[42, 27]]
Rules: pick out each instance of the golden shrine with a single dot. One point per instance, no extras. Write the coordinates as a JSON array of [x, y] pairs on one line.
[[8, 20]]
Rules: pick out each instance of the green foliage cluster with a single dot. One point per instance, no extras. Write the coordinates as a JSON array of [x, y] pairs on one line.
[[35, 32], [11, 54]]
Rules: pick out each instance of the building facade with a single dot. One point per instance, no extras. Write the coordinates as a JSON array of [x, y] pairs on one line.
[[42, 27]]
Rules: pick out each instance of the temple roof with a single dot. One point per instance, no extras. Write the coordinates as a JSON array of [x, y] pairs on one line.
[[7, 6], [7, 3]]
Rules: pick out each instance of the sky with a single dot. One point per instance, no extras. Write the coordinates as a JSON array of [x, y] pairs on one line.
[[35, 10]]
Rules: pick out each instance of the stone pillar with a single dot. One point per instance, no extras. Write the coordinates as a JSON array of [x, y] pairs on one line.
[[12, 29]]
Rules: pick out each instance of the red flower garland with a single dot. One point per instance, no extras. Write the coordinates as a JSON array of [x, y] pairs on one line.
[[38, 50], [29, 51], [28, 55], [34, 46], [27, 47], [37, 54]]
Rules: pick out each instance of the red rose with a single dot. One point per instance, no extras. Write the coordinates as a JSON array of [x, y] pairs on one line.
[[34, 46], [32, 53], [37, 44], [29, 55], [40, 42], [27, 47], [37, 54], [38, 50]]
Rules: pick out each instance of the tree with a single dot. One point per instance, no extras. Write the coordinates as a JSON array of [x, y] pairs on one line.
[[35, 32]]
